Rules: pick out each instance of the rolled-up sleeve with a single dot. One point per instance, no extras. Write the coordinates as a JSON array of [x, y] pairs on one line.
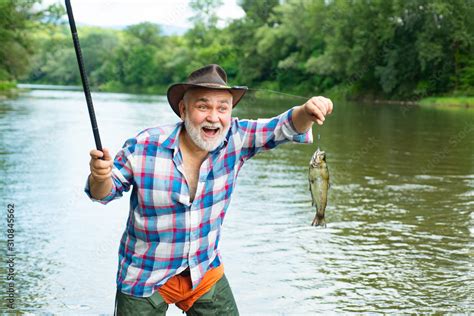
[[264, 134], [122, 173]]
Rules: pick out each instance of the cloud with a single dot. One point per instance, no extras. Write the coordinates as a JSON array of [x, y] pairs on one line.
[[126, 12]]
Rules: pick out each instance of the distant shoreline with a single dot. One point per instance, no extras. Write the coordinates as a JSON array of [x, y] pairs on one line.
[[48, 87], [9, 89], [441, 101]]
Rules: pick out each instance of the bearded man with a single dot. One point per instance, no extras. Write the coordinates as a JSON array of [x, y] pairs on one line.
[[183, 176]]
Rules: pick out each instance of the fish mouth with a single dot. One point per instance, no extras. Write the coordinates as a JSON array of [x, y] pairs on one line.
[[315, 162], [318, 158]]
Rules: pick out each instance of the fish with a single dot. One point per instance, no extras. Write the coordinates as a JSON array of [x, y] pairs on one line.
[[318, 177]]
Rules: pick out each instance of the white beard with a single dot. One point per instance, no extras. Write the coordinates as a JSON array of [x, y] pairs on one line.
[[194, 133]]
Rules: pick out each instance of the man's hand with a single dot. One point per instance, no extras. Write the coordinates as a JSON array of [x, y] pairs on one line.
[[100, 179], [101, 170], [314, 110], [317, 108]]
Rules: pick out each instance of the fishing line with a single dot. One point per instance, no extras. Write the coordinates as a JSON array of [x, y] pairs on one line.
[[278, 92]]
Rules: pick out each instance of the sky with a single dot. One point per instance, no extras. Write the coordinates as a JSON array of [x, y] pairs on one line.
[[108, 13]]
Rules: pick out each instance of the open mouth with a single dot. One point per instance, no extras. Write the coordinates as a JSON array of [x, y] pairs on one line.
[[210, 131]]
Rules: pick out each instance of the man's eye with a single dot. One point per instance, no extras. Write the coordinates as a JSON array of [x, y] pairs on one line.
[[202, 107], [223, 109]]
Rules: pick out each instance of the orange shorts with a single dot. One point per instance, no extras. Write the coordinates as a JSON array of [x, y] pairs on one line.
[[178, 289]]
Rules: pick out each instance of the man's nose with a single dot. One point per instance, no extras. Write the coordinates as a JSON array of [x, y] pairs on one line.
[[213, 117]]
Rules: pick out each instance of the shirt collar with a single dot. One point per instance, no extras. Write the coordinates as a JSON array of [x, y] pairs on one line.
[[172, 139]]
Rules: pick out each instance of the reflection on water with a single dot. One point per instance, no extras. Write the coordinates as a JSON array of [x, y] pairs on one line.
[[400, 215]]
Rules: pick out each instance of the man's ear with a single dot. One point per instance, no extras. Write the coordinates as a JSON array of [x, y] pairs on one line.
[[181, 109]]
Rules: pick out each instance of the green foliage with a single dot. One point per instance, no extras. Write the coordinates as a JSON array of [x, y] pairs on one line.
[[7, 85], [380, 48], [205, 12], [18, 19], [145, 33], [459, 101]]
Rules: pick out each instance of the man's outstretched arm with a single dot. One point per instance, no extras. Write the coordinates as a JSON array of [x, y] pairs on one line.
[[314, 110]]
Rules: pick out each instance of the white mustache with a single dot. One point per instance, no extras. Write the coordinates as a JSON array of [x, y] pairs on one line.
[[207, 125]]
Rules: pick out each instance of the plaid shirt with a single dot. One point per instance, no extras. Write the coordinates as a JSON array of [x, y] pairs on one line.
[[165, 232]]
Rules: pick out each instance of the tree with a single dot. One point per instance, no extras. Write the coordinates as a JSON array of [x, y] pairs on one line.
[[252, 66], [17, 21], [146, 33], [205, 12]]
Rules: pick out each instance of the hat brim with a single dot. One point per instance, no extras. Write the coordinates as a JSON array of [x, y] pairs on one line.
[[176, 93]]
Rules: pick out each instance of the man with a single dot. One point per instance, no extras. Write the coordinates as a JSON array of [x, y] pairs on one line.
[[183, 176]]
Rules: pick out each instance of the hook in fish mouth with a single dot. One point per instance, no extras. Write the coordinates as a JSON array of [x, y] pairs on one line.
[[318, 157]]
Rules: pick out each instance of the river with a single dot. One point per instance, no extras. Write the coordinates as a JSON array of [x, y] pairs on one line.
[[400, 232]]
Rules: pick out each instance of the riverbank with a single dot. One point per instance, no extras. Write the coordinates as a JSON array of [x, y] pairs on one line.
[[456, 100], [442, 101], [117, 87], [8, 89], [448, 101], [445, 101]]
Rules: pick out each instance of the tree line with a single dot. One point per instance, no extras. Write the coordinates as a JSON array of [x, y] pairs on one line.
[[391, 49]]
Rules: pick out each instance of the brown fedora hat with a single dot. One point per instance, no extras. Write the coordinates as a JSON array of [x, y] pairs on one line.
[[211, 76]]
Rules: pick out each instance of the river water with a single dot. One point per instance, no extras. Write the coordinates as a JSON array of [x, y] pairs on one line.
[[400, 232]]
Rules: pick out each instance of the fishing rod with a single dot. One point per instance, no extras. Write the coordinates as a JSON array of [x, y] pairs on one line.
[[85, 82]]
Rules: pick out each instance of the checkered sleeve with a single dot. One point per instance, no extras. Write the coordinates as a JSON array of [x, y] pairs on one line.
[[122, 173], [264, 134]]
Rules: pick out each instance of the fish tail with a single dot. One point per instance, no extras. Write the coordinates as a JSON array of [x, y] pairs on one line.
[[319, 221]]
